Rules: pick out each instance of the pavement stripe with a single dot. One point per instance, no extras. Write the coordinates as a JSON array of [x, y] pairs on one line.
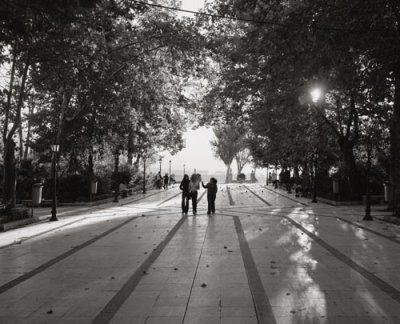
[[391, 238], [260, 299], [259, 197], [112, 307], [381, 284], [384, 286], [290, 198], [195, 275], [228, 190], [168, 199], [48, 264], [138, 199], [201, 196]]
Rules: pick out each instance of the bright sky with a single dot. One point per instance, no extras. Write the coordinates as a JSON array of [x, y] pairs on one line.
[[193, 5], [198, 153]]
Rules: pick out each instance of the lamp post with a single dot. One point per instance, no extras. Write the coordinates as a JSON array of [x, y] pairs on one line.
[[316, 95], [144, 174], [54, 149], [184, 166], [169, 175], [267, 174], [367, 215], [116, 164], [160, 160], [315, 160]]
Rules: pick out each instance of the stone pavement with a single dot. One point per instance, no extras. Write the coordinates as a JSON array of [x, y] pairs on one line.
[[265, 257]]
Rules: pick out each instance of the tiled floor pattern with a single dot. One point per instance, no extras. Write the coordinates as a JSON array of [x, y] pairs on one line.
[[200, 275]]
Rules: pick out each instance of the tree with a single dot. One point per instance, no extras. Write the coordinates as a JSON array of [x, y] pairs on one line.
[[227, 143], [93, 65], [242, 158], [289, 47]]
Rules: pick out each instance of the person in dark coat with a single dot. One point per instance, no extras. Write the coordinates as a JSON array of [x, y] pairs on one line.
[[166, 181], [212, 189], [184, 186]]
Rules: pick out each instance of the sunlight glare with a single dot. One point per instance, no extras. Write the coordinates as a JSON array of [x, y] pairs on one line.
[[316, 94]]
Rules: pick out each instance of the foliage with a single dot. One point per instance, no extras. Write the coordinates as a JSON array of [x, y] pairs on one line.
[[99, 75], [241, 177], [283, 50]]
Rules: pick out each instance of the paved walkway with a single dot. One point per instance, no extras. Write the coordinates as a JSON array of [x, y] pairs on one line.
[[265, 257]]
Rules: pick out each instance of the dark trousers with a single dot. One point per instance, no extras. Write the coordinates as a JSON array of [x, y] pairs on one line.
[[211, 203], [185, 202], [193, 195]]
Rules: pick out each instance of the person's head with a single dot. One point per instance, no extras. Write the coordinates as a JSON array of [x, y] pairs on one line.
[[198, 176], [193, 177], [213, 180], [185, 177], [166, 174]]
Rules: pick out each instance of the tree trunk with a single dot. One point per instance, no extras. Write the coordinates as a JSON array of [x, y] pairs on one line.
[[227, 174], [395, 147], [296, 171], [351, 170], [9, 184], [136, 163], [21, 139], [9, 97], [130, 147], [28, 133], [90, 163]]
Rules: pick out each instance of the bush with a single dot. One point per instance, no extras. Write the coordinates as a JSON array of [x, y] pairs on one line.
[[241, 177], [29, 174], [73, 187]]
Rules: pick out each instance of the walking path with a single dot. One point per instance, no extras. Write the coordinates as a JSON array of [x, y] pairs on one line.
[[265, 257]]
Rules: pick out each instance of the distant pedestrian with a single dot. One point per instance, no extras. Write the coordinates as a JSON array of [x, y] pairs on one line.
[[212, 190], [194, 186], [275, 179], [166, 181], [159, 180], [184, 186]]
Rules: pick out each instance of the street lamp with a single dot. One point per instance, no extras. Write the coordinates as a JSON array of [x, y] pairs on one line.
[[267, 174], [169, 176], [144, 174], [54, 149], [367, 215], [116, 164], [160, 160], [315, 160], [316, 94], [184, 166]]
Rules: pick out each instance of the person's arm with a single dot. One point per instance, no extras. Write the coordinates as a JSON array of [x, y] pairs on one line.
[[202, 183]]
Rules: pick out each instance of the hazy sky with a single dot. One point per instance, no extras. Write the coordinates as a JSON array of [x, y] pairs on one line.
[[198, 153], [193, 5]]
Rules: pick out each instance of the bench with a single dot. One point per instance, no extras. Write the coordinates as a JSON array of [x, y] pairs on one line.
[[375, 199]]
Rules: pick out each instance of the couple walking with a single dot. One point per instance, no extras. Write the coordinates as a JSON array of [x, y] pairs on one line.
[[190, 191]]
